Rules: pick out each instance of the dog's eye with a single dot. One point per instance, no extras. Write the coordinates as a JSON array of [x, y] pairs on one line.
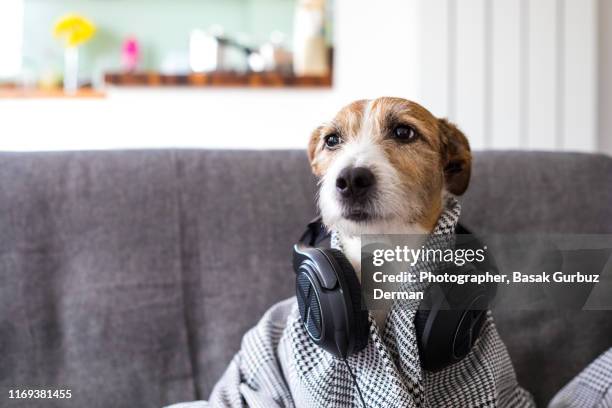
[[404, 133], [332, 140]]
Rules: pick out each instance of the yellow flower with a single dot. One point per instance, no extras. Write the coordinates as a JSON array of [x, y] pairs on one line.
[[75, 29]]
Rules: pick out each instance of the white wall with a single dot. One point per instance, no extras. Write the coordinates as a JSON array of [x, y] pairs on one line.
[[499, 74], [11, 18], [514, 73], [605, 76]]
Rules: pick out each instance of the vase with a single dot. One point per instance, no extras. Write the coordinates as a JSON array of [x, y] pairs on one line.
[[71, 70]]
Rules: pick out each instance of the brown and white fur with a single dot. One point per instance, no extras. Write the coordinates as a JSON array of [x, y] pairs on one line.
[[402, 180]]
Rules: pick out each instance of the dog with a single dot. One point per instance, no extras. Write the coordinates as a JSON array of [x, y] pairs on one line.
[[385, 167]]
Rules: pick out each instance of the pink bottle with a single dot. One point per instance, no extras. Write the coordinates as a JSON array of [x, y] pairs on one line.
[[130, 54]]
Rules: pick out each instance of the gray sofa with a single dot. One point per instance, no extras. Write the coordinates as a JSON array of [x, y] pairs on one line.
[[130, 277]]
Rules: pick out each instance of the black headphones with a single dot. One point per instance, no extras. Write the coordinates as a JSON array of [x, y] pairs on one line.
[[328, 292]]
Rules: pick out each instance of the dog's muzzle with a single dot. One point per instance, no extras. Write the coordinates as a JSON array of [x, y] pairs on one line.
[[356, 187]]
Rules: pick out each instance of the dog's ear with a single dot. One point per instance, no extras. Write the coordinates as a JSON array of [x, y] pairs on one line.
[[456, 157], [313, 145]]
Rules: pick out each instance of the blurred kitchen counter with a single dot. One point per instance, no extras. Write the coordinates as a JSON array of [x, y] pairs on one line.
[[220, 79], [145, 80], [14, 92]]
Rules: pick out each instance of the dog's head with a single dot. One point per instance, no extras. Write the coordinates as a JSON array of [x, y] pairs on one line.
[[385, 165]]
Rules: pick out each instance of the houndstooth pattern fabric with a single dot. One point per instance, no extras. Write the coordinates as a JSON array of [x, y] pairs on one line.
[[279, 366], [592, 388]]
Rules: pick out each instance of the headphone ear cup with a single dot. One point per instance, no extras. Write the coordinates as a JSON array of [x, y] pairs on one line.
[[360, 322], [447, 325], [309, 306]]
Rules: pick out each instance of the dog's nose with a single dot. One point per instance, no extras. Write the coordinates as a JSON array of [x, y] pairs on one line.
[[355, 181]]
